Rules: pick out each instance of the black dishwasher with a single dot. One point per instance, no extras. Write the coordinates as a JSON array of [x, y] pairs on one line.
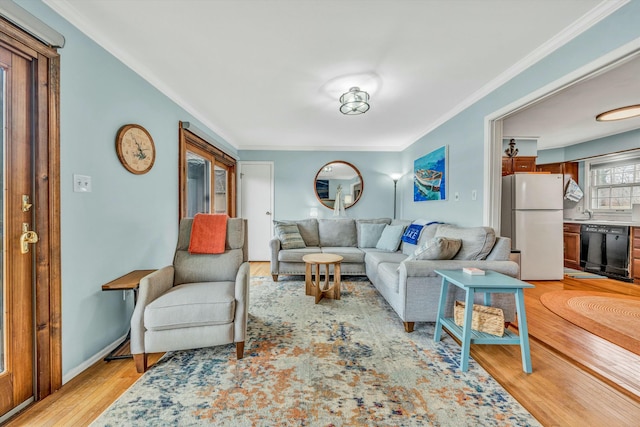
[[604, 250]]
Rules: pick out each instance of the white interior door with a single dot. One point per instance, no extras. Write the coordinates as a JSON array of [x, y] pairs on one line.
[[256, 205]]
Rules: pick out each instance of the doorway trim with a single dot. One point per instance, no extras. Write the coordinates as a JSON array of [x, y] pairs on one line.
[[493, 122], [48, 302]]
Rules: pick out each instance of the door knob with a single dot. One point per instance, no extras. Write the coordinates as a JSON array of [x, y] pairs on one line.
[[27, 236]]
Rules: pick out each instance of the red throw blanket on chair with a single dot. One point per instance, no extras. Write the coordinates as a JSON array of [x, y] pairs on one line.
[[208, 234]]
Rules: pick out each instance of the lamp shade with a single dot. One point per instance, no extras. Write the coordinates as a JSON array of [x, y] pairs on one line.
[[355, 101]]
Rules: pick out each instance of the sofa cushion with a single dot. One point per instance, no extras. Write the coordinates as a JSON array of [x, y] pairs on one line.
[[369, 234], [309, 231], [192, 304], [374, 257], [388, 274], [295, 255], [289, 236], [476, 241], [359, 222], [337, 232], [349, 255], [390, 238]]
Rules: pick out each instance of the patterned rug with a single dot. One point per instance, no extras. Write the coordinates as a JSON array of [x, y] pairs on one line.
[[344, 362]]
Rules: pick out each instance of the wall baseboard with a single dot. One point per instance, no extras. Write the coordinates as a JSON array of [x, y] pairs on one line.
[[89, 362]]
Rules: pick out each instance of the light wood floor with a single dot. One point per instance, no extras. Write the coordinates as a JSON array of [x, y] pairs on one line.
[[578, 379]]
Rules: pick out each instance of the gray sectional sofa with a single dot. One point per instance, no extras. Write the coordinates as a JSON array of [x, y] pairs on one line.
[[410, 286]]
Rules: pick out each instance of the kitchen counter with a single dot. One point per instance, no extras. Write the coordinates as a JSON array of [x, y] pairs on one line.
[[601, 221]]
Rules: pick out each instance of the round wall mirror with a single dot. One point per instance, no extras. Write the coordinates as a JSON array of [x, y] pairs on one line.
[[338, 177]]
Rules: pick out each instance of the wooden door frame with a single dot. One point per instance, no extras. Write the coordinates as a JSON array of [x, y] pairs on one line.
[[46, 200], [187, 137]]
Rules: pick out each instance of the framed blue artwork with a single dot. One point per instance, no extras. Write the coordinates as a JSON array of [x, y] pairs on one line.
[[430, 176]]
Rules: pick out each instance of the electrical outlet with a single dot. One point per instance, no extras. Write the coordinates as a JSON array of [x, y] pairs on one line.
[[81, 183]]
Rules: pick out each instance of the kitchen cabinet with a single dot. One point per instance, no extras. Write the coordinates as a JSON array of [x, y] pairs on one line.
[[512, 165], [571, 239], [635, 254], [568, 169]]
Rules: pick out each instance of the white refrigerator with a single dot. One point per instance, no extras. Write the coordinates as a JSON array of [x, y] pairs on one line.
[[532, 217]]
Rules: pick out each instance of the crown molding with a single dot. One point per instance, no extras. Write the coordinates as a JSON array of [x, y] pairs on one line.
[[65, 9], [588, 20]]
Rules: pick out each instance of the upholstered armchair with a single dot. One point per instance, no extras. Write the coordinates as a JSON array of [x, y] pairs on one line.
[[201, 300]]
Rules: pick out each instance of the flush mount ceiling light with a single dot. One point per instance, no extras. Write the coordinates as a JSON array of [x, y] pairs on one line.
[[619, 113], [354, 102]]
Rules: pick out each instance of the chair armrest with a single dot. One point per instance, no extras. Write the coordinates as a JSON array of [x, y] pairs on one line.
[[151, 287], [242, 302]]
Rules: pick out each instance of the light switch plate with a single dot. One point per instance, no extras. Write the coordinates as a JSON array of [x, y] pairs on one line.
[[81, 183]]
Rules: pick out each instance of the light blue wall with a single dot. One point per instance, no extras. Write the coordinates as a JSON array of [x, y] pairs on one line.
[[128, 222], [295, 171], [464, 134], [597, 147]]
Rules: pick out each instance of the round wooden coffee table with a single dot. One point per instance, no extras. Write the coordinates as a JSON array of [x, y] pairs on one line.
[[313, 286]]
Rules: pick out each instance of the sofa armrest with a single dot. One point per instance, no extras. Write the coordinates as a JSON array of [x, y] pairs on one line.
[[274, 247], [151, 287], [426, 268], [415, 276]]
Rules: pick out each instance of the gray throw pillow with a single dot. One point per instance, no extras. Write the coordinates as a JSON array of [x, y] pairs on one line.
[[390, 239], [370, 234], [289, 236], [437, 248]]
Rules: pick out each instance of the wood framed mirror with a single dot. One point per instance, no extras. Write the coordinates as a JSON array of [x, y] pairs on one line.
[[334, 174]]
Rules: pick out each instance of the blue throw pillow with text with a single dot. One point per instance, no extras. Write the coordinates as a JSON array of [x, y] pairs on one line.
[[412, 233]]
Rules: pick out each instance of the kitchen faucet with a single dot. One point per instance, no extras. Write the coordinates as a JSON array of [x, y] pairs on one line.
[[588, 212]]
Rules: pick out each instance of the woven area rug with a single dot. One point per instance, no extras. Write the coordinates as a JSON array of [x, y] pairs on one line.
[[344, 362], [613, 317]]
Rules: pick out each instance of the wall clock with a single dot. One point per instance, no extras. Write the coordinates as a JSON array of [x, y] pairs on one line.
[[135, 149]]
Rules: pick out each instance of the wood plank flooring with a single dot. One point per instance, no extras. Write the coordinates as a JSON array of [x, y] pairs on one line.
[[578, 379]]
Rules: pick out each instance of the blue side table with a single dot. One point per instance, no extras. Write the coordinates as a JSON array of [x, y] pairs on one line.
[[491, 282]]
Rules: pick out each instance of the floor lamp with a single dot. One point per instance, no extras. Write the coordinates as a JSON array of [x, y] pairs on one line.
[[395, 177]]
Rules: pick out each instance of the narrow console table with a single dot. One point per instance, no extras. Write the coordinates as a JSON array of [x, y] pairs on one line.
[[128, 282], [490, 282]]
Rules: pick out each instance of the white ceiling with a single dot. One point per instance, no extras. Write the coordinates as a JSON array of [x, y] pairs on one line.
[[568, 117], [267, 74]]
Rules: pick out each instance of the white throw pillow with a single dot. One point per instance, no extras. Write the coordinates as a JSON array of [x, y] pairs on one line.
[[437, 248]]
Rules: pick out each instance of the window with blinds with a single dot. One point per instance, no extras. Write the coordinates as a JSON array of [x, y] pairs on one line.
[[614, 185]]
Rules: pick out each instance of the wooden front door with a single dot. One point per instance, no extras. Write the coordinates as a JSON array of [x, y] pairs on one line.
[[16, 282]]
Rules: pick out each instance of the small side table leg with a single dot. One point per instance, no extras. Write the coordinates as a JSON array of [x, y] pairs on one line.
[[336, 281], [308, 278], [523, 331], [466, 331], [319, 293], [443, 298]]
